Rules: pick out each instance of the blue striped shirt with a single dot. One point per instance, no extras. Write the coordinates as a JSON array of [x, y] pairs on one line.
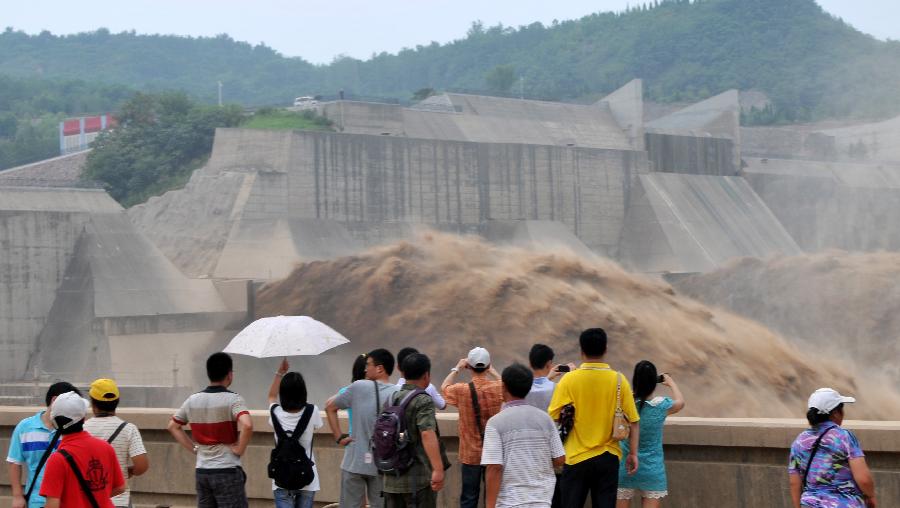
[[26, 447]]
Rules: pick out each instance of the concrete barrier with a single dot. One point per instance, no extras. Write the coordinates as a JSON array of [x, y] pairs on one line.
[[710, 462]]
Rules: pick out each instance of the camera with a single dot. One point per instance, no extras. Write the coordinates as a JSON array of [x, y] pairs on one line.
[[562, 368], [660, 378]]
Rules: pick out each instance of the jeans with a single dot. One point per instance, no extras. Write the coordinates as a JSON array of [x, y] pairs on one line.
[[471, 485], [221, 488], [597, 475], [356, 488], [294, 498]]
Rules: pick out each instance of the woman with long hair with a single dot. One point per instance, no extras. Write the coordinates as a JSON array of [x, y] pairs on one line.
[[288, 403], [827, 467], [650, 478]]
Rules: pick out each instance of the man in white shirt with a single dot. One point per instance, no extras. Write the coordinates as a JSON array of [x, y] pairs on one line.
[[521, 448], [124, 437], [439, 401]]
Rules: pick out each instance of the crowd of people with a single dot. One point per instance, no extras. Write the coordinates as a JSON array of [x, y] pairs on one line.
[[544, 435]]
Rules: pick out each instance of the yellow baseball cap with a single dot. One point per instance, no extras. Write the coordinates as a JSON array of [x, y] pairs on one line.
[[104, 390]]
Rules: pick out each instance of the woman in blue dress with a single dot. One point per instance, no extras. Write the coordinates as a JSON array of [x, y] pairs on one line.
[[650, 478]]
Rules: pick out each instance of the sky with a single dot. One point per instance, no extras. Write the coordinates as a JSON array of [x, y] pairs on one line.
[[319, 30]]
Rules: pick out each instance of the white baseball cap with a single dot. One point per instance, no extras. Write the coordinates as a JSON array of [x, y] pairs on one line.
[[826, 399], [479, 358], [71, 406]]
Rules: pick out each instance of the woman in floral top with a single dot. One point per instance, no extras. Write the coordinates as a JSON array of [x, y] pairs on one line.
[[838, 476]]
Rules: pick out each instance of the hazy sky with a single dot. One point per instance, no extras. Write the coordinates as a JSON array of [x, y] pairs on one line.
[[317, 30]]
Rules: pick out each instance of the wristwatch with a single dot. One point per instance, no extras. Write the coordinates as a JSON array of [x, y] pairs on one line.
[[454, 369]]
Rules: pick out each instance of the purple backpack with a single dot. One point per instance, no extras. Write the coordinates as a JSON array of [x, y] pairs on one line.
[[390, 441]]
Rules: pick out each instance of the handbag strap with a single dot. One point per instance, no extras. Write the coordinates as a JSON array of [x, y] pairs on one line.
[[116, 433], [377, 412], [81, 481], [619, 393], [812, 455], [276, 423], [477, 409], [377, 399], [50, 446]]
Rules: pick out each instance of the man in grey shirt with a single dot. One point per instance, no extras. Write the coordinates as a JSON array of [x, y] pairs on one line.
[[366, 398], [521, 448]]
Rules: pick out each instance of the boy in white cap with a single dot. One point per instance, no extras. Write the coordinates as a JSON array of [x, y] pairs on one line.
[[124, 437], [83, 465], [477, 401]]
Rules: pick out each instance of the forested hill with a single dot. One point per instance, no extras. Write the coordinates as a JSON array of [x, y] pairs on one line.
[[812, 64]]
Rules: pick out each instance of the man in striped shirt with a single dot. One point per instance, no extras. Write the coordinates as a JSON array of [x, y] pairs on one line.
[[521, 448], [221, 426], [29, 441], [124, 437]]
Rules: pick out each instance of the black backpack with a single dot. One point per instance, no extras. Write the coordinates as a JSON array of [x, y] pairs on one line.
[[390, 440], [289, 464]]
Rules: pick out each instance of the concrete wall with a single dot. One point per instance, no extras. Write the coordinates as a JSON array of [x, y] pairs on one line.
[[82, 293], [738, 463], [694, 223], [39, 229], [831, 205], [691, 155], [35, 249], [787, 142], [482, 119], [369, 183]]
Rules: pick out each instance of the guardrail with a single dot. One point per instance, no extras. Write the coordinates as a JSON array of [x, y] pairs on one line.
[[722, 462]]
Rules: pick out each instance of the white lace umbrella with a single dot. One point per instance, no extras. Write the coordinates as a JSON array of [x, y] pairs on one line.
[[285, 336]]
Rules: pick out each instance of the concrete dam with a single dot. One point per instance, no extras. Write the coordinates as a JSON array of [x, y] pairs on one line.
[[143, 294]]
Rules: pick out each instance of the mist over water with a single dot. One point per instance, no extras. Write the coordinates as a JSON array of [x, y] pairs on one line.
[[839, 302], [445, 294]]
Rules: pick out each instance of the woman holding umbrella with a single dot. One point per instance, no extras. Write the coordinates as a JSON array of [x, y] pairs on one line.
[[287, 407]]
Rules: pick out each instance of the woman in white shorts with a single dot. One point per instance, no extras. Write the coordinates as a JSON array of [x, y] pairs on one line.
[[650, 479]]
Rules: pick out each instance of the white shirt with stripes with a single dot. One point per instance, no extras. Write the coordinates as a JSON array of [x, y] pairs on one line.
[[127, 444], [524, 440]]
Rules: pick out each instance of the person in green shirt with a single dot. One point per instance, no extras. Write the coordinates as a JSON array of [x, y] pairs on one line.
[[419, 485]]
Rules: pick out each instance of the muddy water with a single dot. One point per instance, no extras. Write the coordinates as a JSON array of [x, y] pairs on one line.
[[445, 294]]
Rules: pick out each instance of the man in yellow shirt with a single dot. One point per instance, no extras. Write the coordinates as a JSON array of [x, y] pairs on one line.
[[592, 455]]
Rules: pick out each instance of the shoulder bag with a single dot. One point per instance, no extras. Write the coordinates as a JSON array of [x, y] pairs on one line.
[[81, 481], [812, 455], [621, 426]]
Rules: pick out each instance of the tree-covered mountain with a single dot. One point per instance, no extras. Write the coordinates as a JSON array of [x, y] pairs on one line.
[[812, 64]]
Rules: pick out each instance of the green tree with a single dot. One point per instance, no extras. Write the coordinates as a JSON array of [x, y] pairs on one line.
[[501, 78], [8, 125], [422, 94], [160, 140], [682, 49]]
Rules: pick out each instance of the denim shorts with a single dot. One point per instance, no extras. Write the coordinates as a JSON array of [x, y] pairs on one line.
[[294, 498]]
